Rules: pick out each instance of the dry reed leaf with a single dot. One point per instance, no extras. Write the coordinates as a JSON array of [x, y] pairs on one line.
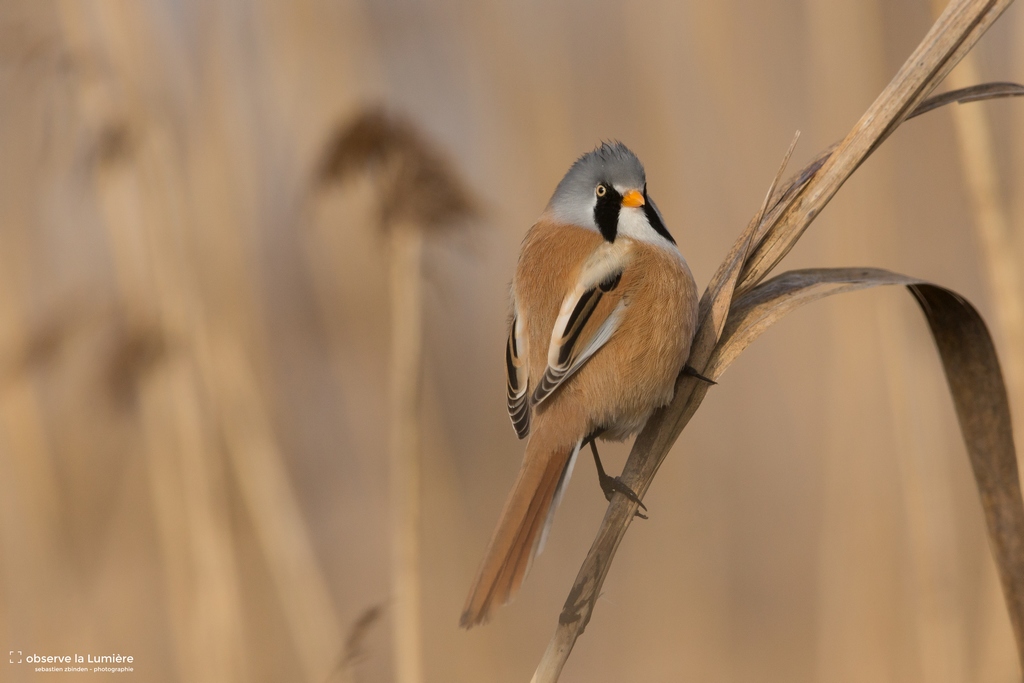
[[974, 93], [975, 381], [993, 231], [800, 201]]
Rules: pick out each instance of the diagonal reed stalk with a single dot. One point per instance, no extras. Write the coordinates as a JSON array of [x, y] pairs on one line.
[[735, 309], [419, 193]]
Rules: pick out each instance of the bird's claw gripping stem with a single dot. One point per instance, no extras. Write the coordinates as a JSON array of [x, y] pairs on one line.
[[610, 485]]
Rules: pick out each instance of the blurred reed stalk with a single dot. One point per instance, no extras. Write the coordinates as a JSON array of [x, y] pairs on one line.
[[201, 390], [846, 63], [25, 440], [737, 307], [926, 487], [1001, 267], [140, 197], [406, 357], [418, 193], [226, 343], [32, 521], [33, 516]]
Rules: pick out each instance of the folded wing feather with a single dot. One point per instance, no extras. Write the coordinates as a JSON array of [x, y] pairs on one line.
[[588, 318], [517, 377]]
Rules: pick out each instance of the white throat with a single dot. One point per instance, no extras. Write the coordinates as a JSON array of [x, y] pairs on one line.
[[633, 223]]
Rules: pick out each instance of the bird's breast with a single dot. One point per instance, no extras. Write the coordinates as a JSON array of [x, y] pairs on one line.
[[635, 371]]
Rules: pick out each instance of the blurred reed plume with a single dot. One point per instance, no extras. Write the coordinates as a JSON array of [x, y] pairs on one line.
[[417, 192], [416, 184]]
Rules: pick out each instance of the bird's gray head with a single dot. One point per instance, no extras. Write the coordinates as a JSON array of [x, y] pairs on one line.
[[606, 190]]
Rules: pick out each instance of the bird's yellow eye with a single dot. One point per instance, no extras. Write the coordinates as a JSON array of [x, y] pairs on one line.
[[601, 190]]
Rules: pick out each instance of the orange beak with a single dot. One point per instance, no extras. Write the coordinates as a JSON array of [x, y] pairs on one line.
[[633, 199]]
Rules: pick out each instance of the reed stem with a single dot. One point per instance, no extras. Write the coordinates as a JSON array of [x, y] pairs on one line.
[[406, 249]]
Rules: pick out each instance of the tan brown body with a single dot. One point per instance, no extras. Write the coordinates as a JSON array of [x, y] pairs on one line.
[[635, 371], [616, 389]]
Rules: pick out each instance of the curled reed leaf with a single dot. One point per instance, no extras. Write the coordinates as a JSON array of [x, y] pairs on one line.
[[773, 232], [975, 382], [757, 310]]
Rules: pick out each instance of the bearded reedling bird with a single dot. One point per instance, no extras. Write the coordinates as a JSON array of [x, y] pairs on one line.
[[604, 310]]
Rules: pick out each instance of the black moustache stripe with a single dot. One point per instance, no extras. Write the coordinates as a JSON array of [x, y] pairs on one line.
[[654, 220]]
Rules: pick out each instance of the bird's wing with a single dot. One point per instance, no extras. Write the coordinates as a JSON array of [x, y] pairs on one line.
[[517, 376], [588, 318]]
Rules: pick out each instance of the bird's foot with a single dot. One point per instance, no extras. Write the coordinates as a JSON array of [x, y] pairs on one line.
[[610, 485]]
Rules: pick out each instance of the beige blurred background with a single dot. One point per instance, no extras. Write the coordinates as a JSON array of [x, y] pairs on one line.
[[194, 335]]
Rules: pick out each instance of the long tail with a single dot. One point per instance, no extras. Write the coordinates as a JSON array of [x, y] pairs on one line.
[[522, 528]]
